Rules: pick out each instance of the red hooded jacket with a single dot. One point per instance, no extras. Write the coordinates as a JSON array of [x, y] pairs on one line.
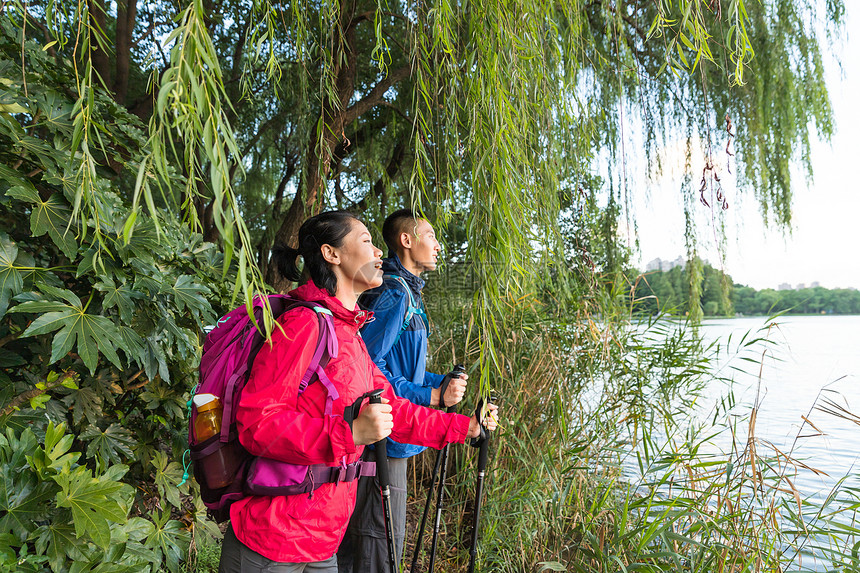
[[275, 422]]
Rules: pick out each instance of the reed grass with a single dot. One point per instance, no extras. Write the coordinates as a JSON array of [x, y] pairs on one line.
[[605, 462]]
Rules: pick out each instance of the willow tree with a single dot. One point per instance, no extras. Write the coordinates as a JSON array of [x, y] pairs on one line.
[[496, 116], [495, 110]]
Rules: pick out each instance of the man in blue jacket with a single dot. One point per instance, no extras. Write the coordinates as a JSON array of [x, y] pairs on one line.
[[397, 341]]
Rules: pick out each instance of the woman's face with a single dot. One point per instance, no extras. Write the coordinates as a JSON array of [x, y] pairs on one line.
[[359, 262]]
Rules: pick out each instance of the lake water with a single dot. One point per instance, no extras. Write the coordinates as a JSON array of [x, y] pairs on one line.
[[807, 361], [814, 359]]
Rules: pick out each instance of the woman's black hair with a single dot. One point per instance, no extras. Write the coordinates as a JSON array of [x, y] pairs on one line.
[[326, 228]]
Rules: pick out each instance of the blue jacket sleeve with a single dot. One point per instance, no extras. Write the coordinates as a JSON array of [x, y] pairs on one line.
[[389, 310], [433, 380]]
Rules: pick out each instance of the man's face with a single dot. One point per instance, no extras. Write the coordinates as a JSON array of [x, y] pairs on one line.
[[425, 247]]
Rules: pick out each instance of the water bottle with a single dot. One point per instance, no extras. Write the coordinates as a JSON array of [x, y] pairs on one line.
[[219, 467]]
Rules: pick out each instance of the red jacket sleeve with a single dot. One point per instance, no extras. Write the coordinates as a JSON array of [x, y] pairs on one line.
[[420, 425], [272, 420]]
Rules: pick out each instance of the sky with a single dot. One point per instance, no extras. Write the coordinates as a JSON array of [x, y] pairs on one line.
[[824, 243]]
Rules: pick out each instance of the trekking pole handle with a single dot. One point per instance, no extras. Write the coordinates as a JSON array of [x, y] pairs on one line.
[[480, 414], [446, 381], [380, 446]]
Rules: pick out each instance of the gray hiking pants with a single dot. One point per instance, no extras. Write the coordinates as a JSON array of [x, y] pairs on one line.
[[236, 557], [364, 548]]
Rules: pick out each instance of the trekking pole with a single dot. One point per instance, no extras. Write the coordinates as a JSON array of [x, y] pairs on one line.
[[483, 444], [441, 462], [458, 369], [385, 489]]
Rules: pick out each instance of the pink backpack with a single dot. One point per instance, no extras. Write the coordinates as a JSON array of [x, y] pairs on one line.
[[228, 354]]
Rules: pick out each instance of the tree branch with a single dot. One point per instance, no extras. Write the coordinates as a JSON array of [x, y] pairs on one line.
[[375, 95], [25, 397]]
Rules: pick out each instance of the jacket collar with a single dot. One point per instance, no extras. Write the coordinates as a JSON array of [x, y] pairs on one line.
[[354, 319], [393, 266]]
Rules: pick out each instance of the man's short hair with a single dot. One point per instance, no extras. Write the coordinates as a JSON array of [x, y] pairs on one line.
[[402, 220]]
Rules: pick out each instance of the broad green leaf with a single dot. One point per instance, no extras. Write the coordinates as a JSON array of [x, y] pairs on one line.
[[8, 550], [53, 217], [122, 297], [138, 528], [133, 345], [59, 542], [168, 474], [89, 333], [108, 445], [49, 459], [93, 504], [85, 403], [169, 539], [24, 192], [11, 279], [23, 501], [39, 306], [9, 359], [192, 295]]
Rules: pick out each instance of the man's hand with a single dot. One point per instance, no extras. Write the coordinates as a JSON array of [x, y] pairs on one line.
[[491, 422], [373, 423], [453, 393]]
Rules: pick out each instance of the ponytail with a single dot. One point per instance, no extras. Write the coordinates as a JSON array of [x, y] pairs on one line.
[[285, 259], [327, 228]]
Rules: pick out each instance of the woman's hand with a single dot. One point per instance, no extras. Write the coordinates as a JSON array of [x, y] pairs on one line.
[[374, 423], [491, 422]]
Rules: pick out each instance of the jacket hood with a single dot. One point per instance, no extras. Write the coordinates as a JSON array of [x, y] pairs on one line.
[[393, 266], [310, 292]]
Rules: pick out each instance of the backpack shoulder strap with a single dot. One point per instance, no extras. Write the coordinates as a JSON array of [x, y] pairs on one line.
[[326, 349], [412, 307]]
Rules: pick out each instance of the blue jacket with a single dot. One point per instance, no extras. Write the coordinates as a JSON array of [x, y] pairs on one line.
[[402, 356]]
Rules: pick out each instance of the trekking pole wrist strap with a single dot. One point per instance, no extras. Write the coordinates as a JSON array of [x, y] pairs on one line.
[[479, 416], [351, 412]]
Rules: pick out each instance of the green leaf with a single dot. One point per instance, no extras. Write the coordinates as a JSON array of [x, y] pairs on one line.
[[53, 217], [92, 502], [11, 279], [138, 528], [122, 297], [59, 542], [169, 539], [193, 295], [109, 445], [8, 550], [24, 192], [89, 333], [23, 501], [50, 459], [85, 403], [39, 401], [167, 477]]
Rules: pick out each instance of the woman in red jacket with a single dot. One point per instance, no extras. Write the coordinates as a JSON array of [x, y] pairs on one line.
[[302, 532]]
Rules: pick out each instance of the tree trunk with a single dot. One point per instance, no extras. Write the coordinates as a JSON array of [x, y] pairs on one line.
[[99, 56], [321, 148], [126, 17]]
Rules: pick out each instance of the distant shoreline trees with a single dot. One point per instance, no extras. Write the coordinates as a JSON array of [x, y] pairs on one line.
[[669, 291]]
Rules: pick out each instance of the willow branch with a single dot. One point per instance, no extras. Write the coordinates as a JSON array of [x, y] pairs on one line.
[[374, 96]]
